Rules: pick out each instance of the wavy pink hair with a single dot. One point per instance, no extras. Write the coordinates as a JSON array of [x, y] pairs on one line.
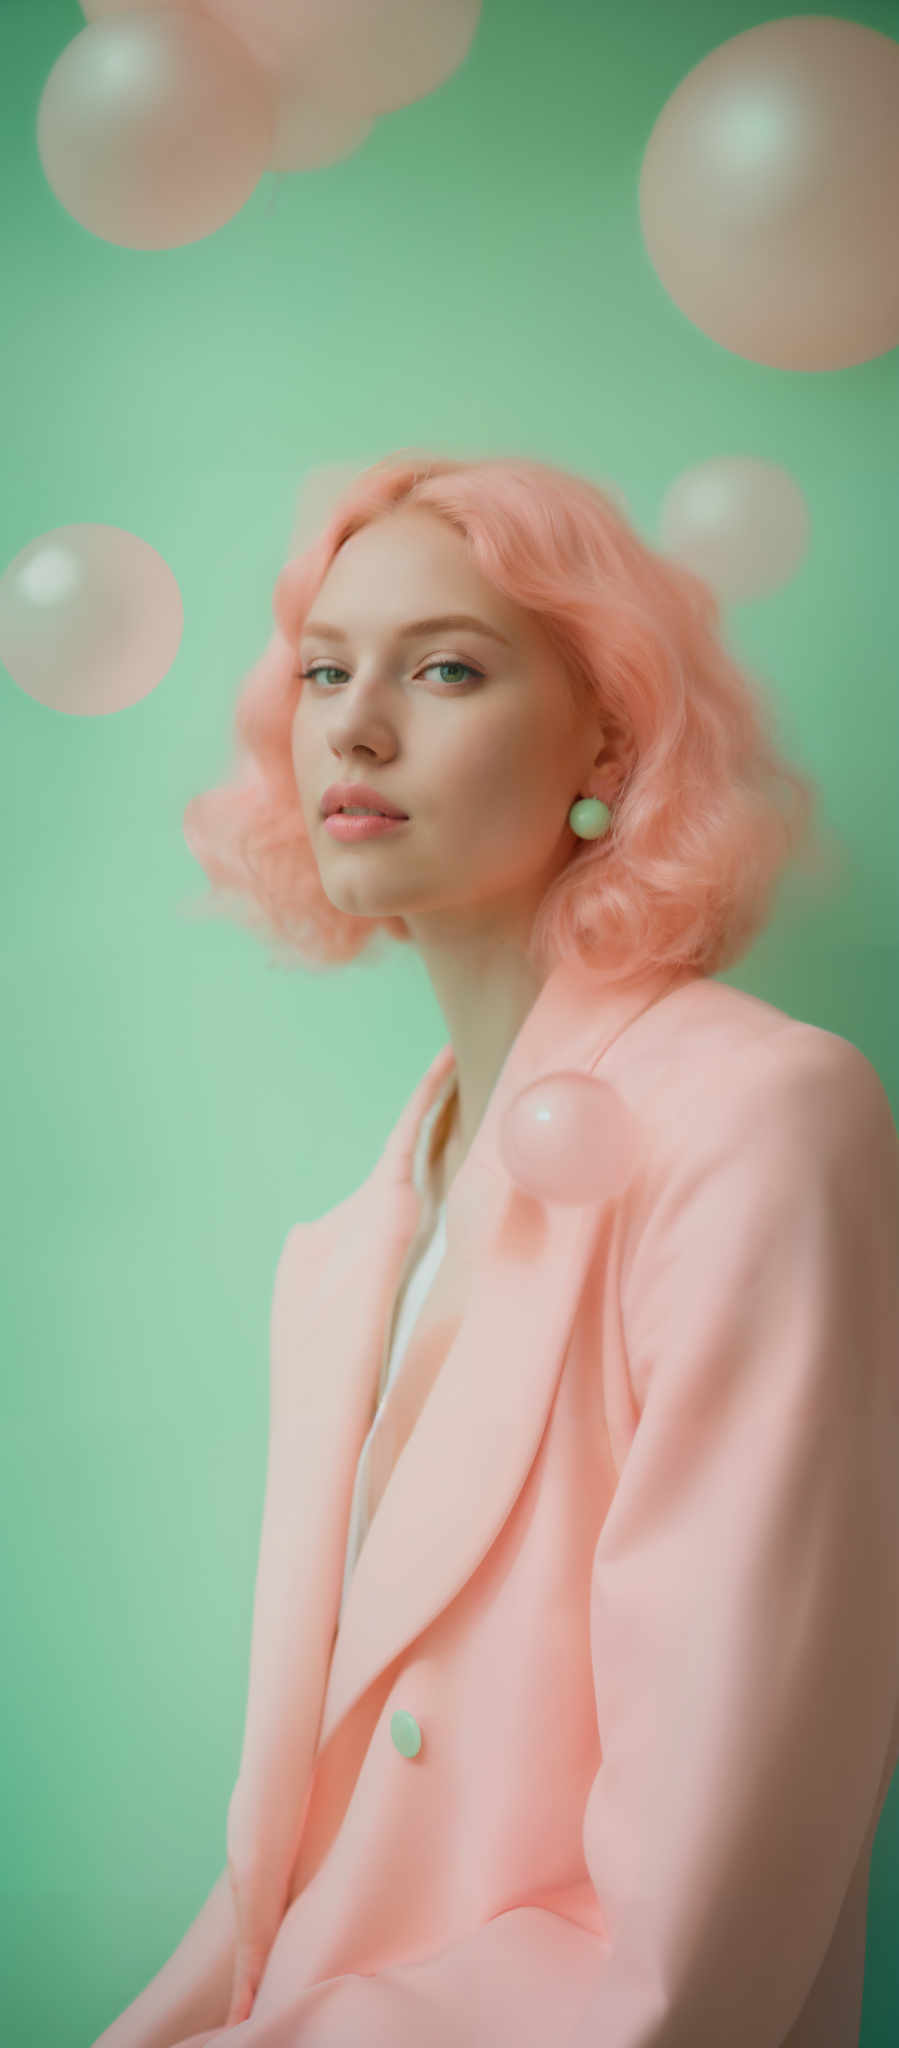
[[710, 812]]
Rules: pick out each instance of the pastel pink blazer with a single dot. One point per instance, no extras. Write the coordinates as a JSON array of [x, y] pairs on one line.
[[597, 1755]]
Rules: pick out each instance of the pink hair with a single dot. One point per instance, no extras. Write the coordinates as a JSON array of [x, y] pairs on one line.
[[710, 812]]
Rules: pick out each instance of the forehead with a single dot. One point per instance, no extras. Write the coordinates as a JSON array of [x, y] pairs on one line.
[[407, 567]]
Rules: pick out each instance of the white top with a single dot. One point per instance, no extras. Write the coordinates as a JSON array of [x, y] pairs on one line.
[[426, 1259]]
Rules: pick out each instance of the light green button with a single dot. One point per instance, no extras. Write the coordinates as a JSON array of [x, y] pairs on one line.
[[406, 1733]]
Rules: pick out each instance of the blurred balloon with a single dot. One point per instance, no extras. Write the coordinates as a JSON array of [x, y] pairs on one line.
[[569, 1138], [90, 619], [739, 523], [769, 190], [367, 57], [361, 57], [311, 133], [108, 10], [317, 500], [154, 129]]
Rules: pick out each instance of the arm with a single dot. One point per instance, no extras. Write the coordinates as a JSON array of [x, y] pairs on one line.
[[745, 1591], [192, 1990]]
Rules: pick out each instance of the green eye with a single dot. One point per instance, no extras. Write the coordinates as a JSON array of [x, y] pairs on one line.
[[333, 668]]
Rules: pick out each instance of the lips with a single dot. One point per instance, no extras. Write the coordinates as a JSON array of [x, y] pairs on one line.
[[357, 796]]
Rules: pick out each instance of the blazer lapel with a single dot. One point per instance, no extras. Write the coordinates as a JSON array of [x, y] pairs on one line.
[[472, 1446], [470, 1451]]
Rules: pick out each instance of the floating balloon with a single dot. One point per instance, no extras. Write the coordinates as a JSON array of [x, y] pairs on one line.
[[90, 619], [368, 57], [311, 133], [108, 10], [317, 499], [739, 523], [768, 194], [361, 57], [569, 1138], [154, 129]]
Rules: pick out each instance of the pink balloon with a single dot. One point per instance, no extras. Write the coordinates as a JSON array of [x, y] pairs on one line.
[[569, 1138], [311, 132], [769, 192], [355, 58], [153, 129], [108, 10], [738, 522], [362, 57], [90, 619]]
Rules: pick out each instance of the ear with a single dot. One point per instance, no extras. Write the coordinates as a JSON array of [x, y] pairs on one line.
[[611, 767]]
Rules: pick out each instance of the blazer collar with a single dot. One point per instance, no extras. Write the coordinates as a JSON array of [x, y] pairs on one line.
[[475, 1439], [468, 1456]]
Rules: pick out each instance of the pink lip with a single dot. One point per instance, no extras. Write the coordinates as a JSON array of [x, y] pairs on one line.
[[341, 827]]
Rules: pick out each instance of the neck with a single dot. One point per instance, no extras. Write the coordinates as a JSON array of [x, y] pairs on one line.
[[485, 996]]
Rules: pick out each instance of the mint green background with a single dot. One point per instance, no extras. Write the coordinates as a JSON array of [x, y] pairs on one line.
[[474, 278]]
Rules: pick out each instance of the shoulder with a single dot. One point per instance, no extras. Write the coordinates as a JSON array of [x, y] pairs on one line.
[[723, 1075], [710, 1055]]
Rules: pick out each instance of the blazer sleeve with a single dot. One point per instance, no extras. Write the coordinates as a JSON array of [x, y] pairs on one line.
[[744, 1613]]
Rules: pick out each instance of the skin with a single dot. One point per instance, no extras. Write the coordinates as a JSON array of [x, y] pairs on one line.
[[487, 766]]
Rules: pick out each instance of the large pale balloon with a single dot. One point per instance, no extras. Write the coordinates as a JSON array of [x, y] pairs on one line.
[[769, 193], [154, 128], [367, 57], [90, 619], [310, 131], [569, 1138], [360, 57], [739, 523]]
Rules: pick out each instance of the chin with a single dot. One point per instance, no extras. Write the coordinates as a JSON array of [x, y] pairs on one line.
[[353, 903]]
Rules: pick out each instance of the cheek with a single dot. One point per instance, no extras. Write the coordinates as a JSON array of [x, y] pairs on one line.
[[503, 796], [526, 769], [501, 760], [484, 791]]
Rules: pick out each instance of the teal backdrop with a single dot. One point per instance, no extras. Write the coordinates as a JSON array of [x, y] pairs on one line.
[[473, 278]]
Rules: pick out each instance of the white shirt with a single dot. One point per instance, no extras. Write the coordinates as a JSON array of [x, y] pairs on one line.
[[426, 1261]]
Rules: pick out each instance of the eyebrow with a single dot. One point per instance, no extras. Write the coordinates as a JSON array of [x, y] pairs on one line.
[[416, 626]]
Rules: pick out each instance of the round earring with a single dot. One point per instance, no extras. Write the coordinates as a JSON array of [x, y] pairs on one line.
[[589, 817]]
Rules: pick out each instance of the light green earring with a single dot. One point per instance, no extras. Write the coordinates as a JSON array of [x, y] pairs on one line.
[[589, 817]]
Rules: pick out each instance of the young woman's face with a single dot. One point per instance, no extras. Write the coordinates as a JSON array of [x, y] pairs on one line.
[[485, 758]]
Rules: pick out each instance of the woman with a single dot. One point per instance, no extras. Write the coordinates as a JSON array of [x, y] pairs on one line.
[[574, 1687]]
